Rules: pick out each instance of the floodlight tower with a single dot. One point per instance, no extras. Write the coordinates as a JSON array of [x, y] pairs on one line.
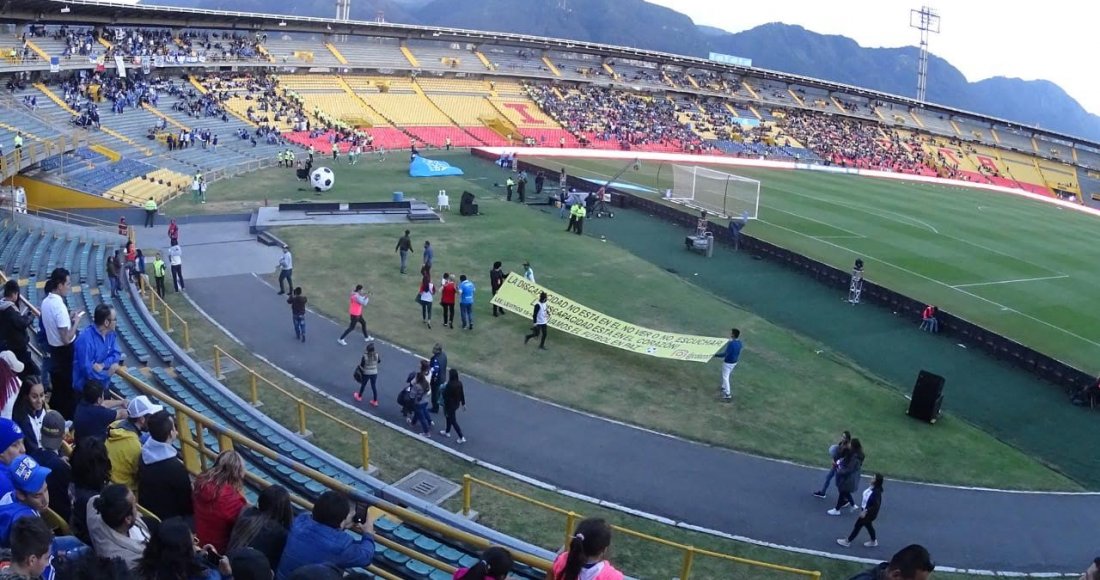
[[343, 14], [927, 21]]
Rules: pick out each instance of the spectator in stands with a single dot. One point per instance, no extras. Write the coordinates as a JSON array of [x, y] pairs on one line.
[[266, 526], [60, 326], [15, 321], [584, 559], [250, 564], [848, 473], [91, 468], [175, 259], [95, 414], [495, 564], [87, 565], [912, 562], [28, 496], [320, 537], [11, 441], [48, 455], [218, 501], [31, 544], [172, 555], [115, 525], [29, 411], [10, 367], [139, 276], [95, 352], [125, 438], [164, 484], [113, 263]]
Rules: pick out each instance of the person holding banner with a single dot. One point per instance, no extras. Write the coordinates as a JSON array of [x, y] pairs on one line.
[[540, 318], [730, 356]]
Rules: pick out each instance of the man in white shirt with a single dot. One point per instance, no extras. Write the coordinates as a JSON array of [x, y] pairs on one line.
[[60, 326], [175, 259], [540, 318], [286, 270]]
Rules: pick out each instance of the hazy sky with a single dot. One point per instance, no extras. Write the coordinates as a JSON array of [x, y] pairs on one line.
[[1054, 40]]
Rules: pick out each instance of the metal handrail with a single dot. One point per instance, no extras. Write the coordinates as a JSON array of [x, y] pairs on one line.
[[155, 299], [689, 552], [301, 404], [228, 438]]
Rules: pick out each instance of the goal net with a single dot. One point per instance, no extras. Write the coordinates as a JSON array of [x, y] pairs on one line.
[[721, 193]]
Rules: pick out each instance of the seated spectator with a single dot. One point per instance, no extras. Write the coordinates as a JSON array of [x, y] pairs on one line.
[[14, 323], [91, 471], [95, 414], [317, 572], [48, 455], [265, 527], [10, 367], [586, 554], [11, 441], [218, 501], [495, 564], [912, 562], [249, 564], [29, 496], [29, 411], [89, 566], [116, 528], [95, 351], [928, 319], [124, 441], [163, 482], [172, 555], [31, 542], [320, 537]]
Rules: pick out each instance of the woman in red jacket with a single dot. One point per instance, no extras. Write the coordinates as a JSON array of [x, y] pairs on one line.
[[218, 500]]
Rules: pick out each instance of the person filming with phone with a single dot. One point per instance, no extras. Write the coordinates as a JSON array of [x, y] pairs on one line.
[[320, 537]]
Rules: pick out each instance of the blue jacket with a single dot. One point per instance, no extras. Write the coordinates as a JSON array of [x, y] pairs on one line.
[[11, 510], [310, 542], [466, 289], [91, 347], [732, 352]]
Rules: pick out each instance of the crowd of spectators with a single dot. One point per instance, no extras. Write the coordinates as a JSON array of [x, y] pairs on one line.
[[126, 452], [162, 43], [850, 142]]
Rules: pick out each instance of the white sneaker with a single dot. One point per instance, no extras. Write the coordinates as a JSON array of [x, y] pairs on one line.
[[833, 512], [463, 440], [871, 543], [843, 542], [368, 338], [342, 341], [444, 433]]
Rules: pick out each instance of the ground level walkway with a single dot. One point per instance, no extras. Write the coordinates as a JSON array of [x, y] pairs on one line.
[[723, 490]]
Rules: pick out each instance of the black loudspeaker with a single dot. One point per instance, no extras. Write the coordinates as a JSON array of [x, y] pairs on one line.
[[927, 397], [467, 206]]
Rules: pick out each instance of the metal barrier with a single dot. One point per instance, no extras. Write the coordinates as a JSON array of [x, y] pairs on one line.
[[192, 426], [169, 314], [302, 405], [103, 226], [571, 518]]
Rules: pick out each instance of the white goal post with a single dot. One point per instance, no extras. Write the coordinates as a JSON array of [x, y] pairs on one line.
[[718, 192]]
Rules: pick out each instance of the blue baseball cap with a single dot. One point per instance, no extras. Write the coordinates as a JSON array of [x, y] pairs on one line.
[[27, 475], [9, 433]]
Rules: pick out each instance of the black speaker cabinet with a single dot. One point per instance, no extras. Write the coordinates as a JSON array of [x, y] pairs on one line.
[[466, 205], [927, 397]]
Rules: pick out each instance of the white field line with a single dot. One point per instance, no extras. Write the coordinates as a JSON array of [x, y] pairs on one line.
[[855, 237], [1059, 277], [941, 283]]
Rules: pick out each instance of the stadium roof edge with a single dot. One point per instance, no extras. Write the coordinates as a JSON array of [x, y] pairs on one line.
[[125, 14]]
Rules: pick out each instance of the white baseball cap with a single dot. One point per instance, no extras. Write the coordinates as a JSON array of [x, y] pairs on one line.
[[142, 406], [13, 363]]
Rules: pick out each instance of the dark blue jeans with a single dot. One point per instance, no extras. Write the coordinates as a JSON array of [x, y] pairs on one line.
[[373, 380], [467, 312], [421, 416], [299, 326]]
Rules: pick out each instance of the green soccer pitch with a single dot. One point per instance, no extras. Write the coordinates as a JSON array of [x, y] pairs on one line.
[[1021, 267]]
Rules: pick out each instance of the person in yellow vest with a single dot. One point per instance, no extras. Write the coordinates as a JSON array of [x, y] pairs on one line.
[[158, 274], [579, 212], [289, 158], [509, 184], [150, 212], [280, 158], [18, 140]]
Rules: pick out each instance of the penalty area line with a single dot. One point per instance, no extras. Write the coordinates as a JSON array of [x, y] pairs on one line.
[[975, 284]]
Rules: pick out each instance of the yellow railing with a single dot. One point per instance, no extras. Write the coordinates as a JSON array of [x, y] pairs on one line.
[[571, 519], [254, 397], [156, 301], [192, 426]]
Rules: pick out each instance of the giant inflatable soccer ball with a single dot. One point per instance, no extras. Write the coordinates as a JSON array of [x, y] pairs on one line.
[[322, 179]]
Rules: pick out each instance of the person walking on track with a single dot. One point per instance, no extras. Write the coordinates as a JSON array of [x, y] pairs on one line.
[[356, 301], [367, 372], [872, 502], [454, 398]]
